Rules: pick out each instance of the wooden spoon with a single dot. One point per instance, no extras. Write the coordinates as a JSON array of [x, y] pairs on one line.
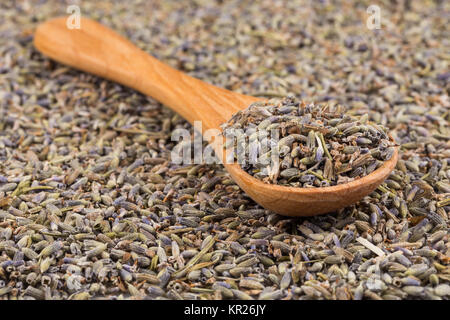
[[96, 49]]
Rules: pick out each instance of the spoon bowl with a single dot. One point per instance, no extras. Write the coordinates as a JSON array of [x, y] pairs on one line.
[[99, 50], [304, 202]]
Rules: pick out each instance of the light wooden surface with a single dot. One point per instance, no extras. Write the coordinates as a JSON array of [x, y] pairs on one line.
[[98, 50]]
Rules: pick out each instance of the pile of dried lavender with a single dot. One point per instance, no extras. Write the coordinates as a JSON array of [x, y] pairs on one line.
[[290, 143], [92, 208]]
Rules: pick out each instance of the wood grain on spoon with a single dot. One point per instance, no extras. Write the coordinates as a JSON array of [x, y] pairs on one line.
[[99, 50]]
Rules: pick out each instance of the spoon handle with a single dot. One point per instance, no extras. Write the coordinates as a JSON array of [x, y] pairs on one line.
[[97, 49]]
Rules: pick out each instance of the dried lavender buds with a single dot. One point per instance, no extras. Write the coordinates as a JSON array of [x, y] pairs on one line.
[[91, 206], [288, 142]]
